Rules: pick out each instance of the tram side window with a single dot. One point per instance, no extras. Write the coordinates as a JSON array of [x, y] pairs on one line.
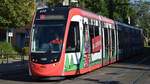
[[91, 32], [73, 40], [113, 38], [121, 37], [96, 31], [106, 37], [94, 35]]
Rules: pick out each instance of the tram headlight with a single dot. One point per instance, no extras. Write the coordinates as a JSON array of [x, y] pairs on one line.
[[34, 60], [55, 60]]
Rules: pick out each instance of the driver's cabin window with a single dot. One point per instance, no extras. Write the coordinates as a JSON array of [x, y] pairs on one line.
[[73, 40]]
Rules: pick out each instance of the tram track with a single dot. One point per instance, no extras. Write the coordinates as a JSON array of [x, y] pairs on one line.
[[138, 62], [141, 74], [127, 70]]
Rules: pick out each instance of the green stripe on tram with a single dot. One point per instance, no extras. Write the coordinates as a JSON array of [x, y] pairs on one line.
[[70, 66], [95, 62]]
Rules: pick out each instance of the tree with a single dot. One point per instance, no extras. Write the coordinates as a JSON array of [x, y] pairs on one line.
[[16, 13], [143, 18], [96, 6], [115, 9], [140, 16], [118, 10], [51, 3]]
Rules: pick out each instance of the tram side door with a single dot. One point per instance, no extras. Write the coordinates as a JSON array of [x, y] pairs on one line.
[[105, 46], [117, 42], [87, 46], [112, 45]]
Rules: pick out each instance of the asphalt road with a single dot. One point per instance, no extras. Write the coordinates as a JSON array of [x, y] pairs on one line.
[[135, 70]]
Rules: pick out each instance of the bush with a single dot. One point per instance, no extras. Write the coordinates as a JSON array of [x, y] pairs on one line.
[[7, 48]]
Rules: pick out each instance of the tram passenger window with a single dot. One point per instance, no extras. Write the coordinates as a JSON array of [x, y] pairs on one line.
[[94, 34], [113, 38], [91, 31], [73, 40], [97, 39], [96, 31], [106, 37]]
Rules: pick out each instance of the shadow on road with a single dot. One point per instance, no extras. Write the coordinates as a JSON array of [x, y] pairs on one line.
[[95, 81], [142, 59], [18, 71], [137, 62], [101, 82], [23, 76], [15, 71]]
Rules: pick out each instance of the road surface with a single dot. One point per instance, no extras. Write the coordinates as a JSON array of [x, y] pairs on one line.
[[135, 70]]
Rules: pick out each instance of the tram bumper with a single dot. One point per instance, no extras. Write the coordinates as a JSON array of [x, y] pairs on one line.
[[45, 70]]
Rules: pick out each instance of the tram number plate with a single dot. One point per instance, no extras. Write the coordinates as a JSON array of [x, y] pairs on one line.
[[44, 59]]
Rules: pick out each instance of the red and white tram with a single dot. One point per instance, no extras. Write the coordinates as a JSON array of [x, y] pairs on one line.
[[71, 41]]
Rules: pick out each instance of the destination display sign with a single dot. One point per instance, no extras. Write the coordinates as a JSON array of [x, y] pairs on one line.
[[51, 17]]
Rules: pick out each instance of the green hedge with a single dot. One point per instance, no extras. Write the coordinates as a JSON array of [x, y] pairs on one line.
[[7, 48]]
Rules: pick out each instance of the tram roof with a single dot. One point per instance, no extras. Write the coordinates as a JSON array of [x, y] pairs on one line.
[[91, 15], [129, 26]]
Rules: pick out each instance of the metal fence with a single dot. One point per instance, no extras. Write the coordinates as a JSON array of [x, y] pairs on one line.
[[7, 57]]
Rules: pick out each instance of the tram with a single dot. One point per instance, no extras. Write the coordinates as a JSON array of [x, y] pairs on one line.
[[69, 41]]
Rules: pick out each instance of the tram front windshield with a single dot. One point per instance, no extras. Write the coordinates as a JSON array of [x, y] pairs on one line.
[[47, 36]]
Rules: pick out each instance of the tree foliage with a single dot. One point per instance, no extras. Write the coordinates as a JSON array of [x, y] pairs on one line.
[[100, 7], [16, 13], [114, 9], [51, 2], [143, 15], [143, 18], [120, 10]]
